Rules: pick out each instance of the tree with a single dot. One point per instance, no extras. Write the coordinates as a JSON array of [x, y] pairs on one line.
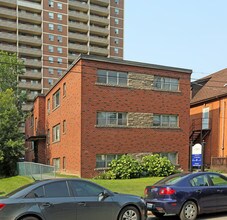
[[11, 139]]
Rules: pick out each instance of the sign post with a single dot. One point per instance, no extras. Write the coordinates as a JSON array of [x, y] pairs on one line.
[[197, 156]]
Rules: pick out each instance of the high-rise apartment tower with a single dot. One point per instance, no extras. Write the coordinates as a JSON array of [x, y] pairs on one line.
[[49, 34]]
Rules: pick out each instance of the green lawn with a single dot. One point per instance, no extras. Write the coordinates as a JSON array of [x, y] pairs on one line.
[[132, 186]]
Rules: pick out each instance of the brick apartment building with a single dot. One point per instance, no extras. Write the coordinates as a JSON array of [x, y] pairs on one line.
[[49, 34], [102, 108]]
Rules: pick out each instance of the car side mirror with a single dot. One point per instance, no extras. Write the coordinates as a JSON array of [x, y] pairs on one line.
[[103, 195]]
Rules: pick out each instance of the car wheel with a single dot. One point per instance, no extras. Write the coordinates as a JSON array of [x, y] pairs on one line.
[[129, 213], [189, 211], [29, 218], [158, 214]]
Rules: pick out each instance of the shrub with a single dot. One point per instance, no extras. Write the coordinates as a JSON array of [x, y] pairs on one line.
[[155, 165]]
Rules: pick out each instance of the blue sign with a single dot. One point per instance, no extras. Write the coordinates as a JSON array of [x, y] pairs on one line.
[[196, 160]]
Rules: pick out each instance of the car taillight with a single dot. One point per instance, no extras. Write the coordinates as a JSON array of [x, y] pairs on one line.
[[146, 192], [2, 205], [166, 191]]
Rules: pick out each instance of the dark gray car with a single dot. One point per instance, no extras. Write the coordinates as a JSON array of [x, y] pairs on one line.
[[70, 199]]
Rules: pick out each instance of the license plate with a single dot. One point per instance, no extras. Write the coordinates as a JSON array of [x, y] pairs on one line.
[[150, 205]]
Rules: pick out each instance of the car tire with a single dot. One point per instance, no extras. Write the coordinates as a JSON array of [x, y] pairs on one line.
[[29, 218], [189, 211], [129, 213], [158, 214]]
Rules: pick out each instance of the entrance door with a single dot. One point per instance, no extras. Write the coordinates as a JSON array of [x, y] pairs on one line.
[[205, 118]]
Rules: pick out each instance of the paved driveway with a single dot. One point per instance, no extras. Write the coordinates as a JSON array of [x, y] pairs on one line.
[[220, 216]]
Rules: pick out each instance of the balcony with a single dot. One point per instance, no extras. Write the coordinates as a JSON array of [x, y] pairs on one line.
[[30, 51], [99, 19], [101, 2], [78, 15], [27, 107], [29, 4], [99, 51], [28, 85], [9, 13], [80, 37], [33, 63], [78, 48], [31, 97], [99, 40], [7, 2], [83, 6], [30, 28], [8, 48], [32, 75], [78, 26], [30, 40], [9, 25], [8, 36], [72, 57], [98, 30], [30, 16], [99, 10]]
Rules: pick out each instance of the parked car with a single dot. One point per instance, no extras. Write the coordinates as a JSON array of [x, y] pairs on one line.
[[188, 194], [70, 199]]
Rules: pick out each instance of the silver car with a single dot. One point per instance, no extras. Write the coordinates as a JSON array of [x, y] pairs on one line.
[[70, 199]]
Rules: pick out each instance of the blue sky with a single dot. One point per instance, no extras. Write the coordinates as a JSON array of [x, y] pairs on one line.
[[190, 34]]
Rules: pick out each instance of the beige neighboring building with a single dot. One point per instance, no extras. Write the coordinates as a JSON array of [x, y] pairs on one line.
[[49, 34]]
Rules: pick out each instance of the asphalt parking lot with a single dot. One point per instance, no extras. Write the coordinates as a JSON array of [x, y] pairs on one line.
[[220, 216]]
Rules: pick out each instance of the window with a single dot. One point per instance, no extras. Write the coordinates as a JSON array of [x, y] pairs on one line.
[[60, 17], [116, 20], [218, 180], [60, 39], [111, 118], [50, 82], [85, 189], [59, 72], [57, 189], [168, 121], [51, 15], [116, 10], [64, 126], [117, 2], [56, 133], [48, 136], [116, 41], [201, 180], [59, 60], [51, 60], [59, 50], [165, 83], [51, 3], [64, 89], [64, 163], [51, 37], [116, 31], [50, 70], [56, 99], [59, 5], [172, 156], [51, 27], [103, 161], [56, 163], [59, 28], [48, 106], [50, 49], [116, 50], [112, 77]]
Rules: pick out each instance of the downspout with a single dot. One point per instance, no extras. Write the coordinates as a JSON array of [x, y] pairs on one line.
[[223, 128]]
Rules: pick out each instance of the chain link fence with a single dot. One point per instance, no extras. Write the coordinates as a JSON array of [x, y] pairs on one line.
[[36, 170]]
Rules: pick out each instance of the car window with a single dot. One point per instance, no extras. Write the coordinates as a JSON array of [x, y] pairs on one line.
[[218, 180], [57, 189], [36, 193], [201, 180], [83, 189]]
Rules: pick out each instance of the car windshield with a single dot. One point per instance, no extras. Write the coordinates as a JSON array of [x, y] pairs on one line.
[[171, 180]]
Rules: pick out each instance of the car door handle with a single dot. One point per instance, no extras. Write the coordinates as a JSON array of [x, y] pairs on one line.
[[82, 203], [198, 191], [47, 204], [219, 190]]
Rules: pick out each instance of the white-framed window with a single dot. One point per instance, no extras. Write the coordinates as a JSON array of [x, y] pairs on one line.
[[50, 49], [166, 121], [51, 26], [51, 15], [56, 133], [59, 72], [60, 39], [117, 2], [59, 5], [116, 10], [112, 77], [51, 3], [116, 31], [116, 41], [103, 160], [51, 37], [50, 82], [56, 99], [116, 21], [59, 27], [59, 49], [60, 17], [112, 118], [116, 50], [51, 71], [166, 83], [51, 59], [59, 60]]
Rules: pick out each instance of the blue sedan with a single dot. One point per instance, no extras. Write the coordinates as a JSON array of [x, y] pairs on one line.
[[188, 194]]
